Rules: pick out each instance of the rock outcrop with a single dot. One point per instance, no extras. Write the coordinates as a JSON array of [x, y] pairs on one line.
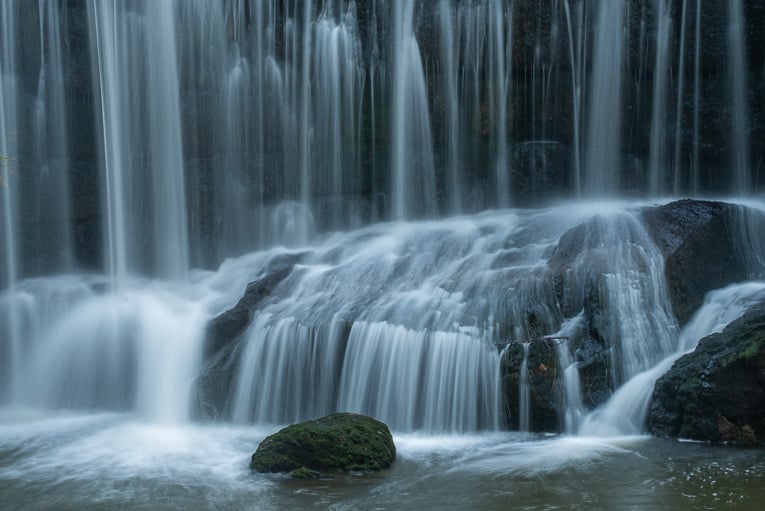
[[341, 442], [706, 245], [224, 335], [543, 373], [717, 392]]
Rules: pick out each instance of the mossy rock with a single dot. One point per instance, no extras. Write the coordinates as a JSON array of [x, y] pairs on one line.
[[717, 392], [341, 442]]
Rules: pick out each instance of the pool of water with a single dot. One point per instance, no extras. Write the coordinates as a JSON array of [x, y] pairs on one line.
[[113, 461]]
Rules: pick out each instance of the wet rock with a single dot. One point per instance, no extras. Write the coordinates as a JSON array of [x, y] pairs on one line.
[[543, 376], [579, 269], [717, 392], [705, 247], [227, 327], [341, 442], [595, 372], [222, 343]]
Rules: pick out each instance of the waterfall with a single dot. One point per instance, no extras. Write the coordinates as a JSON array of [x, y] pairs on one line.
[[626, 411], [603, 136], [572, 405], [738, 78], [696, 168], [141, 138], [498, 77], [412, 164], [159, 155], [453, 139], [659, 162], [576, 63], [679, 101], [8, 183], [36, 229], [234, 126]]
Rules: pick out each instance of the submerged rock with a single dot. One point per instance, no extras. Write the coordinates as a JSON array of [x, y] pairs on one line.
[[717, 392], [341, 442]]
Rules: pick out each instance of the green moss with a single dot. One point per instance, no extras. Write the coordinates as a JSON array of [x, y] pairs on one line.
[[751, 350], [304, 473], [337, 443]]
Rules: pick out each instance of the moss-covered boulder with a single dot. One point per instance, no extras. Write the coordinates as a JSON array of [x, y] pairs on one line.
[[717, 392], [341, 442]]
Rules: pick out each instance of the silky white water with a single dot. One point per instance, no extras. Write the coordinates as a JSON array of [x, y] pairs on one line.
[[399, 321]]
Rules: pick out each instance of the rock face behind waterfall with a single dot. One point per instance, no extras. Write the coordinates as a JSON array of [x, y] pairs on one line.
[[717, 392], [341, 442]]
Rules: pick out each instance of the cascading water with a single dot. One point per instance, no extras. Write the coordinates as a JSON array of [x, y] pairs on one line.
[[274, 139], [626, 411]]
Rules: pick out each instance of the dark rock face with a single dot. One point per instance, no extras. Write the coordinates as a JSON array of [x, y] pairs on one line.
[[543, 375], [578, 271], [222, 345], [231, 324], [717, 393], [705, 248], [340, 442]]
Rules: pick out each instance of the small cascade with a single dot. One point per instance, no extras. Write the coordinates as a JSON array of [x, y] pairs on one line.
[[626, 411], [572, 405], [419, 379], [636, 318], [524, 393], [137, 350]]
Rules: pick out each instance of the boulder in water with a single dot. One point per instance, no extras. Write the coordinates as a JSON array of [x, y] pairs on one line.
[[341, 442], [717, 392]]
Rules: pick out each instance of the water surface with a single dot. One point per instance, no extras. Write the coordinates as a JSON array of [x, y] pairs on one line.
[[115, 461]]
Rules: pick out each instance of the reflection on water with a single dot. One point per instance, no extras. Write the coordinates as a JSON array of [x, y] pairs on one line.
[[109, 461]]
